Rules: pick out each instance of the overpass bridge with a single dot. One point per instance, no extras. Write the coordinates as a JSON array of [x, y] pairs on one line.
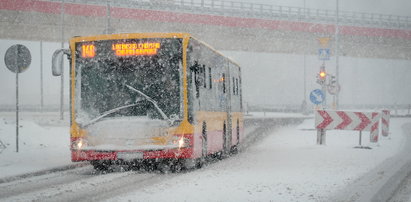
[[225, 25]]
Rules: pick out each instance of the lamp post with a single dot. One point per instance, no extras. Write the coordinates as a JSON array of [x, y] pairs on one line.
[[304, 104]]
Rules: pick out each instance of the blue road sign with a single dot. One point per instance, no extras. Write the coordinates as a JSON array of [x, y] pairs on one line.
[[324, 54], [317, 96]]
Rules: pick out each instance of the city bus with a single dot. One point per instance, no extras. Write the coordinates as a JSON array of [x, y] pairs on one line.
[[151, 97]]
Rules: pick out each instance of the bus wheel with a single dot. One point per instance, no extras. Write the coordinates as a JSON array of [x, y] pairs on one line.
[[204, 145], [224, 151], [238, 132], [235, 148]]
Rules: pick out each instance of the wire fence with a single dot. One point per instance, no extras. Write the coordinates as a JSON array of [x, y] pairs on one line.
[[262, 11]]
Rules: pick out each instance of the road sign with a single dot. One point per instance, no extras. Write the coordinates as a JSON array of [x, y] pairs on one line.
[[385, 122], [324, 41], [317, 96], [334, 89], [324, 54], [347, 120], [17, 58]]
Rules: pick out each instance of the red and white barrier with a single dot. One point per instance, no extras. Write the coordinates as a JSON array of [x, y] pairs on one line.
[[347, 120], [385, 122]]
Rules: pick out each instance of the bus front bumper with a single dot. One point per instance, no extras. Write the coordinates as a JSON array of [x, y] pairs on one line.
[[131, 155]]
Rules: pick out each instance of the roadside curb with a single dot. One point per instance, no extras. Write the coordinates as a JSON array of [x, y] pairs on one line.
[[43, 172]]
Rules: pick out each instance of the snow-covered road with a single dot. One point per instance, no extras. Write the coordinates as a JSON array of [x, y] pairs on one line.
[[286, 165], [282, 165]]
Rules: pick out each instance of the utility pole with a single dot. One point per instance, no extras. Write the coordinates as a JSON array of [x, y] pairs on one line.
[[305, 73], [108, 18], [305, 82], [304, 104], [41, 77], [323, 78], [337, 75], [62, 64]]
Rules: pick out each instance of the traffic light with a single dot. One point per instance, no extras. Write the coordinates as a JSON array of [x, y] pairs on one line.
[[322, 75]]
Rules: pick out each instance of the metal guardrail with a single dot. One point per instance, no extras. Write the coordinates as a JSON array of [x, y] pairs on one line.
[[262, 11], [404, 109]]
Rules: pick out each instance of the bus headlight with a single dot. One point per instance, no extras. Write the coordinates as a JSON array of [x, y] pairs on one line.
[[79, 143], [181, 141]]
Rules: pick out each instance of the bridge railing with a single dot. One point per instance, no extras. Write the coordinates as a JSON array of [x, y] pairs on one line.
[[263, 11]]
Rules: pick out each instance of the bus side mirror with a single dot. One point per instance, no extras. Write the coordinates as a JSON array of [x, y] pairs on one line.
[[57, 61]]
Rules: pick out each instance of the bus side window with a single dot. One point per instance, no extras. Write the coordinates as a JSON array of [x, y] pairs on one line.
[[195, 69], [233, 86], [210, 81], [204, 76], [223, 78], [241, 93], [236, 86]]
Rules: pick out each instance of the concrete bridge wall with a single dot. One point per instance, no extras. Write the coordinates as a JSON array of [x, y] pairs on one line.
[[41, 20], [375, 62]]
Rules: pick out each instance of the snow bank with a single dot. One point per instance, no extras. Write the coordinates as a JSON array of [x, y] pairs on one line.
[[41, 146]]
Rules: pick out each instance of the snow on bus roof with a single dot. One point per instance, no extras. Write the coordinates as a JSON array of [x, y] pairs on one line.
[[216, 51], [149, 35]]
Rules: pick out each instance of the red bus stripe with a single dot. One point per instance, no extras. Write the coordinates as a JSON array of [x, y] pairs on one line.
[[167, 16]]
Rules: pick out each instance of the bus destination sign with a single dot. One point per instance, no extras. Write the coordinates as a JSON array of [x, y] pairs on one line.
[[135, 49], [123, 49]]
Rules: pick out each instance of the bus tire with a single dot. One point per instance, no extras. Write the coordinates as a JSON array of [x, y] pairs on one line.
[[235, 148], [225, 150], [204, 151]]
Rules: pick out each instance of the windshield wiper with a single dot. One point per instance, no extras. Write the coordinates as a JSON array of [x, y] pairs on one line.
[[108, 113], [150, 100], [163, 115]]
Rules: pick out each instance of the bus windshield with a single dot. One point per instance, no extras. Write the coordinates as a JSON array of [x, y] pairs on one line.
[[109, 74]]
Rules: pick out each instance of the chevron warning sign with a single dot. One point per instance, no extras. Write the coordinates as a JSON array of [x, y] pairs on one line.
[[348, 120], [385, 122]]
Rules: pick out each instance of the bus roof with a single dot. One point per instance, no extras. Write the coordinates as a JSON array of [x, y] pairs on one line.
[[129, 36], [216, 51], [145, 35]]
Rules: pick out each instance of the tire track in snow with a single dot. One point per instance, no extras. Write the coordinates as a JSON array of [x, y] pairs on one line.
[[36, 183], [82, 184]]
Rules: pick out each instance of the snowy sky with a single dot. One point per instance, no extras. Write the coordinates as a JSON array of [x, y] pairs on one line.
[[391, 7]]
